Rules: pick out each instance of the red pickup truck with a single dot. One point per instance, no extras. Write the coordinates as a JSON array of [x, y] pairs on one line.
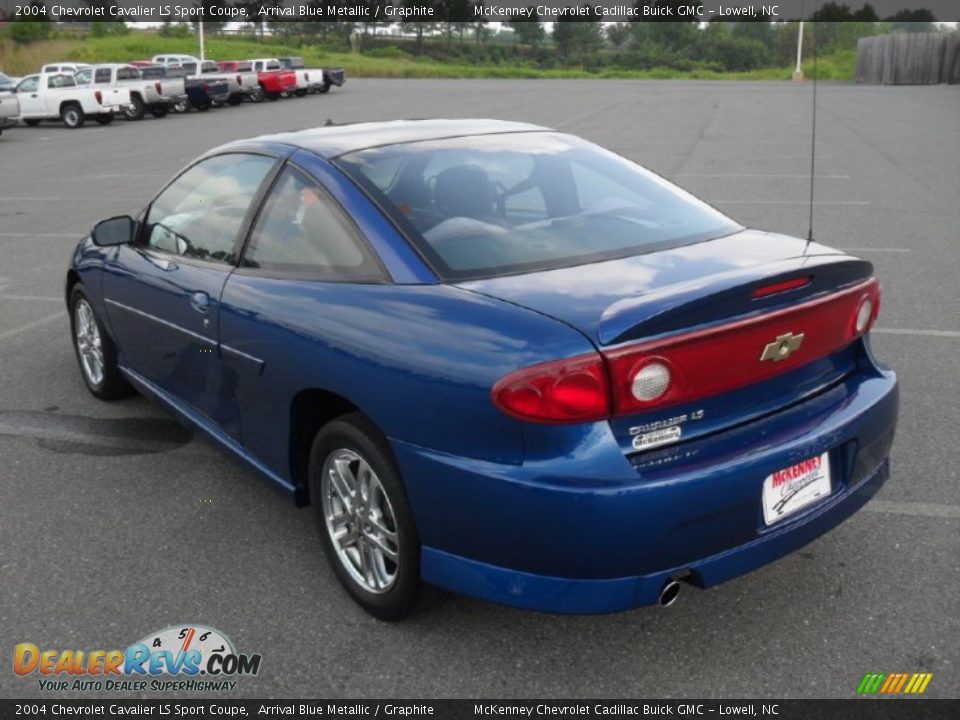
[[274, 80]]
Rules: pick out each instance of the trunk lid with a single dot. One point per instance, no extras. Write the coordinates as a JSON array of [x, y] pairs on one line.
[[698, 288]]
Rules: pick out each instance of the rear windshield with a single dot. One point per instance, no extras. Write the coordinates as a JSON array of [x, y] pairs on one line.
[[479, 207]]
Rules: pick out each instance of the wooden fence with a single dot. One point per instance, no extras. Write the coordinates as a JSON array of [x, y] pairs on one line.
[[909, 59]]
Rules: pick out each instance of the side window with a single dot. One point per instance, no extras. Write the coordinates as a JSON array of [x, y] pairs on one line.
[[301, 230], [29, 85], [127, 74], [102, 76], [200, 214], [83, 77]]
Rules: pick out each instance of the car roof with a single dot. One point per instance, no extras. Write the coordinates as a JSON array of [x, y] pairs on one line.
[[334, 140]]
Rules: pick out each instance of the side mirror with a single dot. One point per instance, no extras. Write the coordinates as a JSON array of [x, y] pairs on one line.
[[115, 231]]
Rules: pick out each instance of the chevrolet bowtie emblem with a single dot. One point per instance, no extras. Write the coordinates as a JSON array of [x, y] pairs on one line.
[[782, 348]]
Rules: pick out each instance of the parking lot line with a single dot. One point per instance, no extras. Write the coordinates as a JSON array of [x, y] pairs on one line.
[[914, 508], [46, 298], [914, 331], [785, 202], [31, 325], [875, 249], [25, 235], [761, 175]]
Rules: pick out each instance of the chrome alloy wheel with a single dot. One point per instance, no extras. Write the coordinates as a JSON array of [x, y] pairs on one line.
[[360, 521], [89, 343]]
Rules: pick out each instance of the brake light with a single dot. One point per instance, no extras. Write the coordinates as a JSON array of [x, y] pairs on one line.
[[690, 366], [239, 80], [306, 76], [782, 286], [157, 87], [99, 96], [205, 87], [563, 391]]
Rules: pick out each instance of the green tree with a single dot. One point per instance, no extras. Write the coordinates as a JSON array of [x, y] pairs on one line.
[[528, 28], [578, 40], [37, 27], [418, 27], [618, 35], [920, 20]]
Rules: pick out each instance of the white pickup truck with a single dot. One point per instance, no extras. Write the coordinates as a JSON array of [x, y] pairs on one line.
[[56, 96], [9, 110], [311, 80], [240, 85], [156, 96]]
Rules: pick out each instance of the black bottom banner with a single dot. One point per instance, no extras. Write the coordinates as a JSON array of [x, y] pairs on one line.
[[726, 709]]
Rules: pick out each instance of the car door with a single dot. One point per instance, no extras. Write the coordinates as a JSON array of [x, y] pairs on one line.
[[28, 93], [304, 265], [162, 291]]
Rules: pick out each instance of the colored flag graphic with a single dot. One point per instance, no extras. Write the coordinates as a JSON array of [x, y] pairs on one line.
[[894, 683]]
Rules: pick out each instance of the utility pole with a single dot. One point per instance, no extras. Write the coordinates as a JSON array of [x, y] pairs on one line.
[[202, 56], [798, 73]]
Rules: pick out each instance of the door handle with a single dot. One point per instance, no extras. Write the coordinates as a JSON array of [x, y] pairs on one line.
[[200, 302]]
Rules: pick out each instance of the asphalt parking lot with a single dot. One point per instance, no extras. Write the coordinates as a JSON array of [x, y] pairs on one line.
[[115, 522]]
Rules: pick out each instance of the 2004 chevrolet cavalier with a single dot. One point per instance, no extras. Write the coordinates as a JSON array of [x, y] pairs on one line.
[[496, 358]]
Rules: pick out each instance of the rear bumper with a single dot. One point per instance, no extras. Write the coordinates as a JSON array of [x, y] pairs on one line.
[[522, 537]]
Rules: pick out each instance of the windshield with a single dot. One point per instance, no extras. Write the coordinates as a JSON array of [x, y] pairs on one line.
[[5, 79], [492, 205]]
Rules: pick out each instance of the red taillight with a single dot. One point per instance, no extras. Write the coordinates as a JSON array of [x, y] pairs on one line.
[[563, 391], [782, 286], [239, 80], [99, 96], [158, 88], [205, 87], [306, 76], [690, 366]]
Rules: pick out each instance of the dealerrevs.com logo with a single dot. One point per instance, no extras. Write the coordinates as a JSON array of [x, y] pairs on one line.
[[177, 658]]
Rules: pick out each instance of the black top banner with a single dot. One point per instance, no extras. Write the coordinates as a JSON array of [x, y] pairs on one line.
[[469, 10]]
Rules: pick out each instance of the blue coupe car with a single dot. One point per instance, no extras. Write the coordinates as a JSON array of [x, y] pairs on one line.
[[497, 359]]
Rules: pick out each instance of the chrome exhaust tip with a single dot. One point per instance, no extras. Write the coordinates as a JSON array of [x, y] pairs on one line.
[[670, 593]]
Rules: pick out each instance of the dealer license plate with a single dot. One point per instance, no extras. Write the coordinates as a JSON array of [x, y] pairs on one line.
[[794, 488]]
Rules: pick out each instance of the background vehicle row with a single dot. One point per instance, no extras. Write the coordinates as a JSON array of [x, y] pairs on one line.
[[75, 92]]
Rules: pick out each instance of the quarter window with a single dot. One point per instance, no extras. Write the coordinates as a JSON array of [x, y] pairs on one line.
[[200, 214], [102, 76], [301, 230]]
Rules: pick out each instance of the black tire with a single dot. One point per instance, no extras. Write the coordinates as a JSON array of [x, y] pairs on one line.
[[182, 107], [112, 385], [300, 93], [325, 88], [235, 99], [72, 116], [32, 122], [258, 96], [159, 111], [136, 109], [355, 434], [104, 119], [203, 106], [273, 95]]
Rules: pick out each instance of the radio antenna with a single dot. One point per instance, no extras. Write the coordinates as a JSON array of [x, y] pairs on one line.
[[813, 133]]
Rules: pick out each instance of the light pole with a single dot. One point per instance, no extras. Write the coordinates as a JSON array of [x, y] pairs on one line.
[[202, 55], [798, 73]]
